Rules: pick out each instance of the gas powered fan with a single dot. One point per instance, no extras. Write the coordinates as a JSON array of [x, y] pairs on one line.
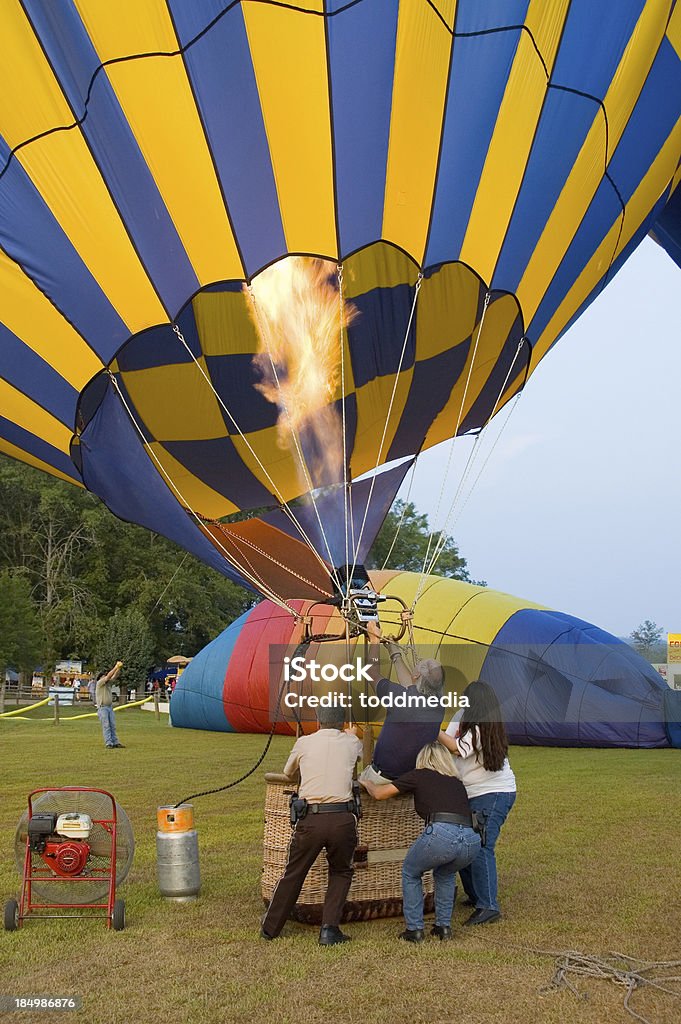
[[73, 847]]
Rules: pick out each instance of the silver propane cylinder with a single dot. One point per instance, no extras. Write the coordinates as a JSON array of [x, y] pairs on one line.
[[177, 853]]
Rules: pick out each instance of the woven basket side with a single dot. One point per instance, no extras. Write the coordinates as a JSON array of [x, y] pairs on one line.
[[386, 831]]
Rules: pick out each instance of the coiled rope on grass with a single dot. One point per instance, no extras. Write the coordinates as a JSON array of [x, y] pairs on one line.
[[630, 972], [627, 971]]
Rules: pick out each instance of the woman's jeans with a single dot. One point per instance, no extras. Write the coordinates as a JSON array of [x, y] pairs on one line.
[[446, 849], [480, 878], [105, 713]]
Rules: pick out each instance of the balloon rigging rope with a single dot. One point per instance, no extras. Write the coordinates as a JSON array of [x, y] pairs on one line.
[[422, 577], [343, 421], [252, 576], [417, 289], [294, 435], [284, 504], [512, 406], [472, 458], [160, 597], [404, 512], [470, 462], [630, 973], [352, 520], [256, 579]]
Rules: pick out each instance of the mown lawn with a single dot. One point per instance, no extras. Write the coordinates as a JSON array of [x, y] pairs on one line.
[[589, 860]]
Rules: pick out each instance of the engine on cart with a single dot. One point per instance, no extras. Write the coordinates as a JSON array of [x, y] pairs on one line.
[[61, 841], [73, 847]]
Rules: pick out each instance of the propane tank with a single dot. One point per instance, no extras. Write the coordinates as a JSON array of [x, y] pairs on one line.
[[177, 853]]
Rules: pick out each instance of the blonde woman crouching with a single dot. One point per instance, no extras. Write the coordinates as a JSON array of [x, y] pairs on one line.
[[447, 844]]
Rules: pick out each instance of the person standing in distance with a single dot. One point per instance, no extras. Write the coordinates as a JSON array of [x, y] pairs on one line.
[[326, 761], [104, 702]]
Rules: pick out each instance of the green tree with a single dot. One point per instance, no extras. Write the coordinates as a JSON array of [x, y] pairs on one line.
[[62, 540], [20, 634], [647, 638], [82, 563], [403, 541], [126, 637], [186, 603], [191, 608]]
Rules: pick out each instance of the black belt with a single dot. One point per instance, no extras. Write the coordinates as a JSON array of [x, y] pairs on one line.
[[451, 819], [331, 808], [383, 774]]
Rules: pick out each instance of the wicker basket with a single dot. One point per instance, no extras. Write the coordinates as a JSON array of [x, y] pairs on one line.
[[386, 831]]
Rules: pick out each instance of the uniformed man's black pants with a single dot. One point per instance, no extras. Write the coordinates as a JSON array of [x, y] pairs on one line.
[[338, 833]]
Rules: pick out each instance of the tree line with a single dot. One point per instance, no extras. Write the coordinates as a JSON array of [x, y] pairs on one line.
[[76, 582]]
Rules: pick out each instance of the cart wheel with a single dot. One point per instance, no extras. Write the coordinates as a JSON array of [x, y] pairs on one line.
[[11, 916], [118, 916]]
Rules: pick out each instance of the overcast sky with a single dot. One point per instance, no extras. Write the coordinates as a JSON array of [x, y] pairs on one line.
[[578, 507]]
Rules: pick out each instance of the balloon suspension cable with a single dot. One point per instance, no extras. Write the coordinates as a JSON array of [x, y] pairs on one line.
[[405, 505], [294, 434], [511, 408], [407, 616], [347, 661], [352, 521], [250, 574], [472, 458], [285, 507], [422, 577], [346, 484], [417, 289], [161, 595]]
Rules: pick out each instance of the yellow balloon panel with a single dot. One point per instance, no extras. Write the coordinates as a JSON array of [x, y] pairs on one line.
[[288, 49], [419, 89]]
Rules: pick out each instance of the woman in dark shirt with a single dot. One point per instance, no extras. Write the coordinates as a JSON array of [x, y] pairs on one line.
[[447, 844]]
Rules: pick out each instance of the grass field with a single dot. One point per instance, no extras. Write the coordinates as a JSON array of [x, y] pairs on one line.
[[589, 860]]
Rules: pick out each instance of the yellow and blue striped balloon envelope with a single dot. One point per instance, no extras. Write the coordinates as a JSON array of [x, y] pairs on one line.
[[460, 179]]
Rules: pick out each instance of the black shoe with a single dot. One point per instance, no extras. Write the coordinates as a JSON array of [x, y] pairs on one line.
[[121, 745], [412, 935], [109, 746], [483, 917], [330, 935], [264, 935], [442, 931], [468, 902]]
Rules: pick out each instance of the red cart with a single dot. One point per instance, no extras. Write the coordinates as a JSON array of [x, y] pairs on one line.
[[73, 847]]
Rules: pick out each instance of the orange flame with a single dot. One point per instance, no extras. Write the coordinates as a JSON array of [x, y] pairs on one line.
[[296, 312]]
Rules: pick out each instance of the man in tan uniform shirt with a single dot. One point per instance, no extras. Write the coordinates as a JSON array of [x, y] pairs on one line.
[[326, 761]]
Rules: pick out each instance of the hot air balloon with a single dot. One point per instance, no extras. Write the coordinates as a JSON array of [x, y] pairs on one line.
[[254, 257], [560, 681]]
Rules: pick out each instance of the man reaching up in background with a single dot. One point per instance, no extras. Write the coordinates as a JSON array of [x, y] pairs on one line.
[[104, 702]]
